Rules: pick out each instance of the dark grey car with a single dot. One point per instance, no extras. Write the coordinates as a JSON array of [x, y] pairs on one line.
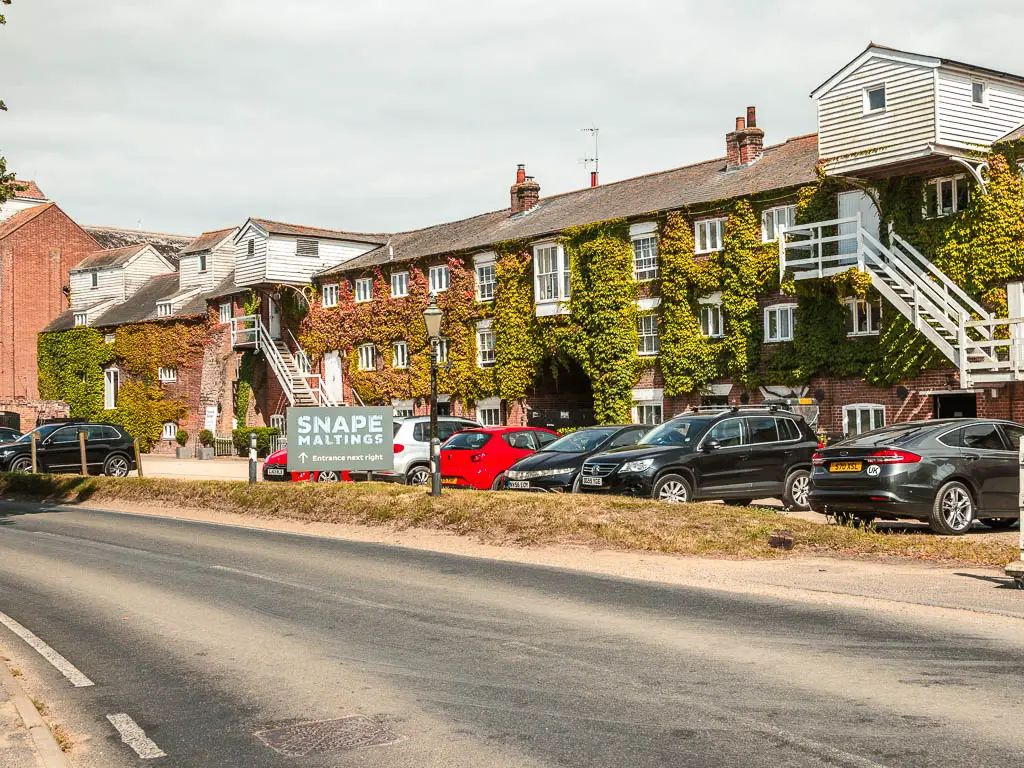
[[948, 472]]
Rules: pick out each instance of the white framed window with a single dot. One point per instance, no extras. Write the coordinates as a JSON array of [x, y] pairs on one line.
[[94, 278], [367, 357], [485, 281], [400, 354], [305, 247], [81, 318], [711, 321], [551, 273], [645, 258], [648, 406], [111, 385], [163, 309], [399, 284], [403, 408], [484, 344], [862, 417], [863, 317], [442, 349], [202, 262], [170, 431], [277, 421], [109, 338], [440, 278], [874, 99], [943, 196], [225, 312], [707, 235], [167, 374], [647, 332], [488, 411], [979, 93], [773, 219], [364, 290], [778, 322], [330, 294]]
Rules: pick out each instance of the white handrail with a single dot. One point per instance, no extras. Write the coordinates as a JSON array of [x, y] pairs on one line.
[[943, 278]]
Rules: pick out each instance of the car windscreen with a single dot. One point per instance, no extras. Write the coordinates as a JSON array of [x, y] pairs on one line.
[[40, 433], [886, 436], [675, 432], [581, 442], [466, 441]]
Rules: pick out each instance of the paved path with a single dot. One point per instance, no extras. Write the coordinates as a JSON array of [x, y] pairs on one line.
[[209, 639]]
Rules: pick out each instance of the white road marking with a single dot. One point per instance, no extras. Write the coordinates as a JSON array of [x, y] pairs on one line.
[[135, 737], [65, 667]]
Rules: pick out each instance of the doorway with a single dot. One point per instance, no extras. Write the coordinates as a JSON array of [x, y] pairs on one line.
[[850, 204], [274, 319], [332, 375], [956, 405]]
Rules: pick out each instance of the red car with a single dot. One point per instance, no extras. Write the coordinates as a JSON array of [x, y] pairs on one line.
[[478, 458], [275, 468]]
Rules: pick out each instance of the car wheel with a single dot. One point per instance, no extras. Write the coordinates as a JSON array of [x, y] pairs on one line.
[[21, 465], [418, 476], [499, 482], [1000, 523], [953, 510], [738, 502], [798, 490], [116, 466], [327, 476], [673, 489]]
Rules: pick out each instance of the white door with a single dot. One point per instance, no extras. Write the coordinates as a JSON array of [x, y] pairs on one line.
[[850, 204], [332, 375], [275, 320]]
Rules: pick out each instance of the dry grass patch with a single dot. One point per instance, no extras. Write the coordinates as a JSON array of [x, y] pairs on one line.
[[714, 530]]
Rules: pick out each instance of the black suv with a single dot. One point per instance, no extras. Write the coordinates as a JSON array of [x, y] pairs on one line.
[[733, 454], [108, 449]]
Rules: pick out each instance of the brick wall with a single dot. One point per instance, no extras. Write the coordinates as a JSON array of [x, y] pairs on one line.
[[34, 411], [34, 264]]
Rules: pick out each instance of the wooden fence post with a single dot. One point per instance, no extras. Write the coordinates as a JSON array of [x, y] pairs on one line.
[[82, 437], [35, 462], [138, 457]]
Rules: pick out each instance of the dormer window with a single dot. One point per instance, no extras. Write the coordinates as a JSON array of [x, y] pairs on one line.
[[874, 99], [304, 247], [202, 262], [95, 278], [163, 309], [81, 318], [979, 94]]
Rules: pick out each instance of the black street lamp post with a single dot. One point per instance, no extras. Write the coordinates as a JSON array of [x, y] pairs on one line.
[[432, 319]]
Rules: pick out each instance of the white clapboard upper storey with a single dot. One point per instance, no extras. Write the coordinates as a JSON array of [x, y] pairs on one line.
[[891, 112], [269, 252], [115, 274]]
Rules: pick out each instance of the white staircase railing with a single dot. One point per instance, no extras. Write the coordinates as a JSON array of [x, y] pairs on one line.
[[300, 386], [936, 306]]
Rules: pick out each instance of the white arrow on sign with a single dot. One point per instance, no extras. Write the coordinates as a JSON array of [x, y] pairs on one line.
[[303, 457]]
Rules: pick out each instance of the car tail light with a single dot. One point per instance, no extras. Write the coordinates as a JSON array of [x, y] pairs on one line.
[[818, 460], [399, 448], [890, 456]]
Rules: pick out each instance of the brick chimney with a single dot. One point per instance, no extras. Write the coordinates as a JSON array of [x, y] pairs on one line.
[[525, 192], [745, 144]]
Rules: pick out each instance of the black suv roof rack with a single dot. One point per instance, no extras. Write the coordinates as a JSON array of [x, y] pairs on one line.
[[771, 407]]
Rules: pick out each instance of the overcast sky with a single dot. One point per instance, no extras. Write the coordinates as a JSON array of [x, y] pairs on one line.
[[195, 114]]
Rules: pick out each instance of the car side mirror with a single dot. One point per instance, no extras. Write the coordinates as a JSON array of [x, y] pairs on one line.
[[711, 445]]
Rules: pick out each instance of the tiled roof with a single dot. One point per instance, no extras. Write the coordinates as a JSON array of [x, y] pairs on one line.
[[169, 246], [278, 228], [141, 305], [207, 241], [21, 218], [782, 166], [112, 257], [1015, 135], [31, 190], [65, 321]]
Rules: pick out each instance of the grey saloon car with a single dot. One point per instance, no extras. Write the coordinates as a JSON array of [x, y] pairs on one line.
[[947, 472]]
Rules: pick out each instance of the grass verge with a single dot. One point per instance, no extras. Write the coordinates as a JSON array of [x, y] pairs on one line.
[[714, 530]]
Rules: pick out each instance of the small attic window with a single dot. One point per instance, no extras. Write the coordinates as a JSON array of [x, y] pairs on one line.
[[874, 99], [202, 262], [163, 309], [979, 94], [251, 248], [307, 247], [95, 278]]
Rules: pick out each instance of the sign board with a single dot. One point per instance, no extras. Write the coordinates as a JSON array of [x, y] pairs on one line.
[[211, 418], [340, 438]]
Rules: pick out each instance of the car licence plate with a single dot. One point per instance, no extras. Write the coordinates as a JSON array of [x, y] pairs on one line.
[[844, 466], [592, 481], [519, 485], [275, 470]]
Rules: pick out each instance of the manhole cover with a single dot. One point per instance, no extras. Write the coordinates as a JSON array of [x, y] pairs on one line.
[[323, 736]]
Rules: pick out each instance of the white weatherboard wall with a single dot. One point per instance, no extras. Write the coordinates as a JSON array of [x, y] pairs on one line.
[[849, 139], [250, 270], [962, 123], [15, 204], [284, 265], [109, 286], [140, 268]]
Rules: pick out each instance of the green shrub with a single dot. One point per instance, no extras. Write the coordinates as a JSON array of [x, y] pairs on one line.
[[206, 438], [181, 437], [240, 437]]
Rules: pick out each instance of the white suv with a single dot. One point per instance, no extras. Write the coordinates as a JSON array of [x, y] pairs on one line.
[[412, 447]]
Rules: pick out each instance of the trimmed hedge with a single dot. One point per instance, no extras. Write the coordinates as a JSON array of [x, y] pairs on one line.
[[240, 437]]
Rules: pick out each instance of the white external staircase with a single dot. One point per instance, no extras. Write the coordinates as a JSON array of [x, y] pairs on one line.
[[301, 387], [971, 337]]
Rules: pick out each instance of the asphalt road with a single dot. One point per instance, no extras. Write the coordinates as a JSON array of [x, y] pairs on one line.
[[207, 636]]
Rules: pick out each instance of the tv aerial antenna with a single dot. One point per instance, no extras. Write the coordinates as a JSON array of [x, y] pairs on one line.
[[592, 162]]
